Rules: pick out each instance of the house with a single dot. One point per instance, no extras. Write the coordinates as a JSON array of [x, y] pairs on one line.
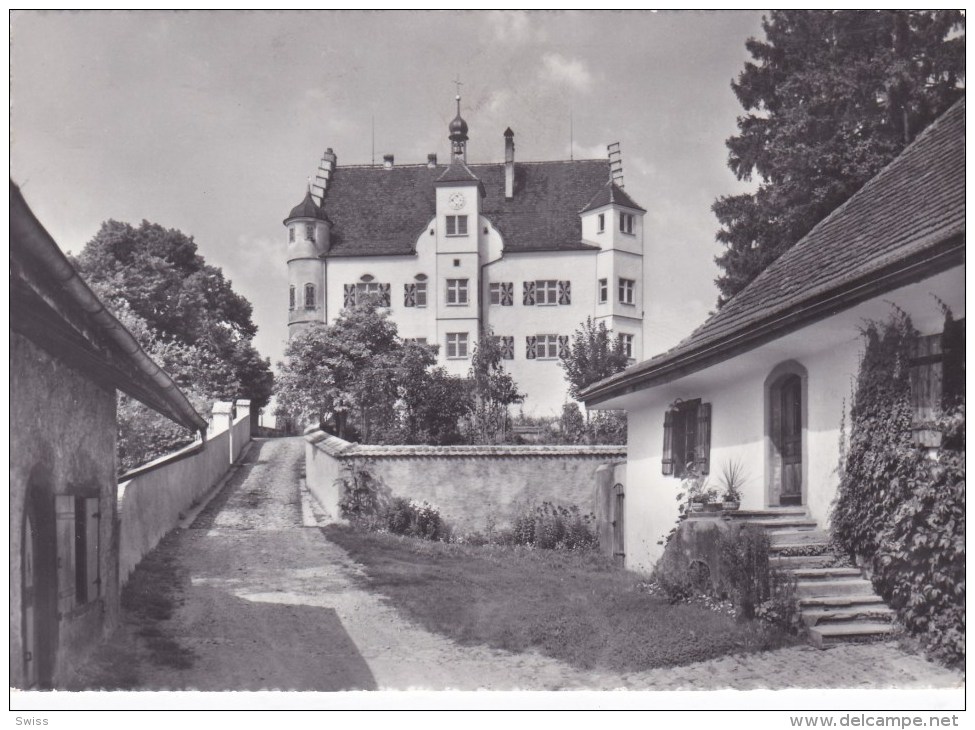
[[527, 249], [68, 357], [767, 379]]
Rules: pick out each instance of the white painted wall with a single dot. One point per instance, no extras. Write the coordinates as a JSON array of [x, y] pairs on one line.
[[829, 351]]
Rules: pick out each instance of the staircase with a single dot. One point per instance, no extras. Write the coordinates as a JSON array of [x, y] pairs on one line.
[[836, 603]]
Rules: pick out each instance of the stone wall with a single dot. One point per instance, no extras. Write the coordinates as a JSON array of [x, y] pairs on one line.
[[469, 484]]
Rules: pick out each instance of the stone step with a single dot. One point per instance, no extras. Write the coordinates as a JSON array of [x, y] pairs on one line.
[[804, 549], [768, 514], [840, 602], [826, 573], [823, 616], [833, 634], [798, 537], [835, 587], [798, 562], [785, 523]]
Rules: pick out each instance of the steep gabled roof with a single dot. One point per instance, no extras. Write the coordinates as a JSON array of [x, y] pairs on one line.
[[377, 211], [457, 171], [611, 193], [907, 220]]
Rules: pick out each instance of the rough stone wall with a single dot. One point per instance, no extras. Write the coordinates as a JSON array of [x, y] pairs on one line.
[[62, 441], [469, 484]]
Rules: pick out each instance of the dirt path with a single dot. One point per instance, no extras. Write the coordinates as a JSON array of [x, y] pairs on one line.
[[269, 604]]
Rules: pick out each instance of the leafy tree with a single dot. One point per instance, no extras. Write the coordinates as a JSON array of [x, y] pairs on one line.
[[831, 98], [432, 402], [156, 275], [593, 354], [493, 390]]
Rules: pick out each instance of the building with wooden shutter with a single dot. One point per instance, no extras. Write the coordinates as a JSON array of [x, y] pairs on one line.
[[767, 379], [68, 357], [528, 250]]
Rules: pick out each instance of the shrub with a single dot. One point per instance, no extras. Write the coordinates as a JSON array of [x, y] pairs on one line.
[[745, 567], [364, 496], [406, 517], [554, 527]]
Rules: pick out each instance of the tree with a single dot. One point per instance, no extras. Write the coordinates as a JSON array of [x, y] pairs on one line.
[[432, 402], [156, 275], [493, 390], [832, 97], [593, 354]]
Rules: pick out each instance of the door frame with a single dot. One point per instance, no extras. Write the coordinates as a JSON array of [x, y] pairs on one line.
[[772, 392], [39, 504]]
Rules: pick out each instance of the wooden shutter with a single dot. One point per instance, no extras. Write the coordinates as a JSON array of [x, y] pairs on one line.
[[409, 295], [385, 296], [528, 293], [953, 363], [92, 520], [667, 461], [565, 292], [507, 348], [507, 293], [531, 344], [64, 530], [703, 446], [563, 346], [348, 295], [925, 375]]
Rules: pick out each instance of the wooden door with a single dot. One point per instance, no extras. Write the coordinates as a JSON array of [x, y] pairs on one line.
[[790, 440], [29, 600], [619, 546]]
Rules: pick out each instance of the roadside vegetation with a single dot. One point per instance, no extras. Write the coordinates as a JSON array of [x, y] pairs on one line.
[[572, 605]]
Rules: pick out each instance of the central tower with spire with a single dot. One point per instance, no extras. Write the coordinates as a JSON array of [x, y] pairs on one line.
[[458, 135]]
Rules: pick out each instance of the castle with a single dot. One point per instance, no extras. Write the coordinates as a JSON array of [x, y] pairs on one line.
[[527, 249]]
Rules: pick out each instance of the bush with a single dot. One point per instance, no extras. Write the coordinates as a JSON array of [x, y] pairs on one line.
[[899, 512], [745, 567], [364, 496], [554, 527], [406, 517]]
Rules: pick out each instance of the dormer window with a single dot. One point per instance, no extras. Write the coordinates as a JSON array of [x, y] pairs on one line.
[[602, 222], [626, 223], [456, 225]]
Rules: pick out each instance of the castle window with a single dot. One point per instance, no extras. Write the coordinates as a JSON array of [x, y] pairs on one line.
[[309, 296], [291, 298], [602, 222], [626, 223], [415, 295], [507, 347], [502, 293], [546, 347], [375, 289], [456, 225], [291, 234], [456, 345], [310, 231], [415, 340], [457, 292], [627, 341], [626, 290], [603, 291], [546, 292]]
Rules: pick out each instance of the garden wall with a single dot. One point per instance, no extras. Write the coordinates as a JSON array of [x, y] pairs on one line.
[[155, 497], [469, 484]]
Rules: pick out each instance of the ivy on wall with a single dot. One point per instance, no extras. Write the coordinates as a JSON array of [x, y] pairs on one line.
[[897, 510]]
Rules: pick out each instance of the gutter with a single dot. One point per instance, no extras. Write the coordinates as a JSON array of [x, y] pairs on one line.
[[949, 252], [42, 248]]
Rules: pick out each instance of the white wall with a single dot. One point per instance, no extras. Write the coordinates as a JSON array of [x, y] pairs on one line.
[[829, 351]]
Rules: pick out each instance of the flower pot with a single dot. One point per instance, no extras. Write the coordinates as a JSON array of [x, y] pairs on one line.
[[697, 506], [712, 507], [730, 506]]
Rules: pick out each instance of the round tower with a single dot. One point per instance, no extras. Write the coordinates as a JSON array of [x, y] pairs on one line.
[[309, 231]]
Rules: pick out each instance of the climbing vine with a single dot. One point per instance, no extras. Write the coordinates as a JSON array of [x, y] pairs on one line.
[[897, 510]]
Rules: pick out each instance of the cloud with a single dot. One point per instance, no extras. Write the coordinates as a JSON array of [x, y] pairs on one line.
[[512, 26], [569, 71]]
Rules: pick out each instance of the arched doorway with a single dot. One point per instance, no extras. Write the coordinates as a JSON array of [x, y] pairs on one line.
[[785, 433], [39, 617]]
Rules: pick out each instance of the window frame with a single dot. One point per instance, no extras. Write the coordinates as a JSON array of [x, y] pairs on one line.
[[420, 295], [547, 343], [627, 286], [494, 291], [309, 287], [454, 225], [627, 341], [459, 338], [310, 232], [602, 286], [626, 223], [454, 289], [544, 287], [292, 298], [601, 223], [291, 234]]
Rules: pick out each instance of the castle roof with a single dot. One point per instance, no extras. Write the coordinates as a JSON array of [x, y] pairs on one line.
[[376, 211], [611, 193], [906, 223], [307, 208]]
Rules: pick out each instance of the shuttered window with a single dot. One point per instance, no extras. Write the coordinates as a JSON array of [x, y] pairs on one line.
[[291, 298], [415, 295], [348, 295], [77, 521], [381, 292], [309, 296], [501, 293], [687, 439]]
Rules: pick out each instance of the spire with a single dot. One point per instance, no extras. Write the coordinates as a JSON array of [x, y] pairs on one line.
[[458, 132]]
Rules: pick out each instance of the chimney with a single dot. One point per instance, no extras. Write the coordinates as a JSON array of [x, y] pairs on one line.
[[388, 162], [509, 164], [432, 159], [326, 168]]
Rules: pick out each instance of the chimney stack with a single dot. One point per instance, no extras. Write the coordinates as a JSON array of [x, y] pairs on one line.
[[388, 162], [326, 168], [509, 164], [432, 159]]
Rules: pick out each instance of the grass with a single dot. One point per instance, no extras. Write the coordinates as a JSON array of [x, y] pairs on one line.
[[576, 607]]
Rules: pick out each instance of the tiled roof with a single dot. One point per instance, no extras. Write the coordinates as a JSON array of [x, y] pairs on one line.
[[457, 171], [611, 193], [375, 211], [909, 209], [307, 208]]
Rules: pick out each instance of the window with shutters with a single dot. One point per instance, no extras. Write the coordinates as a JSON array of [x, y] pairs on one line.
[[457, 292], [603, 291], [291, 234], [687, 438], [456, 345], [528, 293], [415, 295], [626, 288], [291, 298], [546, 292], [546, 347], [348, 295], [507, 346], [309, 296], [501, 293], [937, 371], [456, 225], [79, 576]]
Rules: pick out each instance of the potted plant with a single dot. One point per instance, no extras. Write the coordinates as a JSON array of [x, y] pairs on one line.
[[732, 479], [695, 487]]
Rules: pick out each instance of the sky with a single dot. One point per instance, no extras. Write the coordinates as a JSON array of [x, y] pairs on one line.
[[212, 122]]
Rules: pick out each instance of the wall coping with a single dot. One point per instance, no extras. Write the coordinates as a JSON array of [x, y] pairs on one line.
[[161, 461], [334, 446]]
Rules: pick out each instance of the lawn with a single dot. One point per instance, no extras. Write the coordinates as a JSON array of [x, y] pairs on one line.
[[576, 607]]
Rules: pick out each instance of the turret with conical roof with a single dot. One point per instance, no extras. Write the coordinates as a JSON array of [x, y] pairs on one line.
[[309, 233]]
